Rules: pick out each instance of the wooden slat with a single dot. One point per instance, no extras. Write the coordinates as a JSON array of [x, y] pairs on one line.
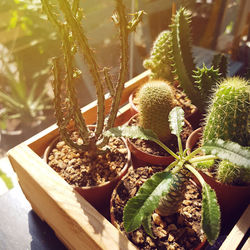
[[238, 232]]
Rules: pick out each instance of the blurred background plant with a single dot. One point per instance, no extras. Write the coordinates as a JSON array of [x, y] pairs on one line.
[[22, 104]]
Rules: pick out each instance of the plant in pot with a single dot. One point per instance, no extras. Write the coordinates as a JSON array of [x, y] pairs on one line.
[[155, 101], [23, 107], [227, 118], [171, 58], [163, 193], [83, 156]]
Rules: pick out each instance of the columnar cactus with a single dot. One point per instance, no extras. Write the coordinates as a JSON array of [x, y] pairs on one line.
[[228, 115], [173, 50], [228, 119], [156, 100], [67, 17], [220, 62], [159, 62]]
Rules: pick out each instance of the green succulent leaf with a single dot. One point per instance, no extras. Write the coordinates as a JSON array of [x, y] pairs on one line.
[[133, 132], [139, 208], [228, 150], [176, 120], [210, 213], [146, 223]]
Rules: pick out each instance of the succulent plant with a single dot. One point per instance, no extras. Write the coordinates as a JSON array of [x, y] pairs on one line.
[[220, 62], [232, 174], [164, 190], [228, 115], [156, 100], [205, 79], [67, 17], [174, 47], [159, 62], [228, 119]]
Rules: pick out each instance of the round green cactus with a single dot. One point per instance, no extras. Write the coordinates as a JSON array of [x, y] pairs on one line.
[[159, 62], [156, 100], [228, 115], [232, 174]]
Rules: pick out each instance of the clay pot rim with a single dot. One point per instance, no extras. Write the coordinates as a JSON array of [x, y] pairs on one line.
[[121, 173], [165, 159], [190, 143]]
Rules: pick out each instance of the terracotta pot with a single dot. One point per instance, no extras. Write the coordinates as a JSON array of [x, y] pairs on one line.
[[141, 158], [233, 200], [97, 196], [194, 118], [119, 194]]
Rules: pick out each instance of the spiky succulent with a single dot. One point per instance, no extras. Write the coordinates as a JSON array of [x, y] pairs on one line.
[[228, 115], [205, 80], [174, 47], [220, 62], [156, 100], [159, 62], [232, 174], [228, 118], [67, 16]]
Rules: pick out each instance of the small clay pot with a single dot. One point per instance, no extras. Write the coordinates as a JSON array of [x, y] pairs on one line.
[[140, 158], [97, 196], [125, 190], [232, 199]]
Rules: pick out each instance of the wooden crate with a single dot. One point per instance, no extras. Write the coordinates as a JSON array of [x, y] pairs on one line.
[[76, 223], [238, 234]]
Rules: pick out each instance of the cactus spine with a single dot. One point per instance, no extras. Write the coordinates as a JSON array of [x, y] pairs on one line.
[[156, 100], [159, 62]]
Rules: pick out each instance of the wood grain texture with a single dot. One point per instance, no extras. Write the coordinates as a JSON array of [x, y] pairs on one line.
[[238, 232], [76, 223]]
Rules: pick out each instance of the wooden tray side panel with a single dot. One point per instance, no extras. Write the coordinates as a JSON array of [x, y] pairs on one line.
[[74, 220], [238, 232]]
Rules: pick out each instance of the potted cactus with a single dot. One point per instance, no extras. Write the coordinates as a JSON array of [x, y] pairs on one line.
[[227, 118], [163, 192], [155, 101], [82, 155], [172, 58]]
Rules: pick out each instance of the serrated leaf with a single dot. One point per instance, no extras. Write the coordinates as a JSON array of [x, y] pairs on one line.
[[133, 132], [176, 120], [227, 150], [140, 207], [210, 213]]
